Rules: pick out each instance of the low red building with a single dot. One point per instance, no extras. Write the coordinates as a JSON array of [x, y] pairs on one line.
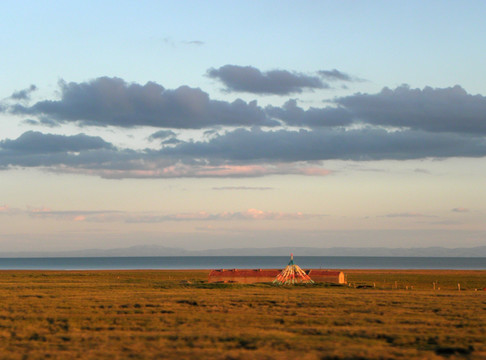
[[318, 275], [248, 276]]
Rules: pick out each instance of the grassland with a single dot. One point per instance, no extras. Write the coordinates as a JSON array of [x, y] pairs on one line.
[[178, 315]]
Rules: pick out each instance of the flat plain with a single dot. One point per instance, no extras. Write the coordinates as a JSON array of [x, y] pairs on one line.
[[380, 314]]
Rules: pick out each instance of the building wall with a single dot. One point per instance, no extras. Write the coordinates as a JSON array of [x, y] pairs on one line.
[[336, 277]]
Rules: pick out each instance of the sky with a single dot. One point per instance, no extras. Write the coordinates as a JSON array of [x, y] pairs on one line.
[[240, 124]]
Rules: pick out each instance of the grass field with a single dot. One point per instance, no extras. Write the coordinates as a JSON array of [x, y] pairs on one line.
[[178, 315]]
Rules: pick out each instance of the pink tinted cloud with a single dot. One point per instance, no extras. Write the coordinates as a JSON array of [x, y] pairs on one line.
[[234, 170], [314, 171], [460, 210], [250, 214], [7, 210], [136, 217], [256, 214], [204, 171], [70, 215]]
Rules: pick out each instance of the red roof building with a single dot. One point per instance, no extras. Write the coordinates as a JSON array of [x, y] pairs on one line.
[[248, 276]]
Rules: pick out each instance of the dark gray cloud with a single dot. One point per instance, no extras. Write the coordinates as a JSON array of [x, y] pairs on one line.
[[436, 110], [460, 210], [31, 122], [162, 134], [36, 142], [237, 153], [167, 137], [43, 121], [171, 141], [427, 123], [91, 162], [325, 144], [23, 94], [335, 75], [252, 80], [111, 101], [291, 114], [34, 149]]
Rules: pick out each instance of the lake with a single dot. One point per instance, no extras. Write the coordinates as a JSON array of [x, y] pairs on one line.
[[248, 262]]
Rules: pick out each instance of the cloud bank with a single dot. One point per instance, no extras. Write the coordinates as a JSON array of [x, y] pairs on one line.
[[237, 153], [435, 110], [112, 101], [242, 139], [136, 217], [34, 142], [255, 145]]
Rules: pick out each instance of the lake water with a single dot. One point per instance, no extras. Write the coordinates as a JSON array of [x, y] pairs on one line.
[[242, 262]]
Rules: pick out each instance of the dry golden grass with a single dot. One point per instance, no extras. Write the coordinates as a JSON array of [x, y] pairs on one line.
[[178, 315]]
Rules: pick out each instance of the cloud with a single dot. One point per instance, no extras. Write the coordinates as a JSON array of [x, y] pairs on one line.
[[278, 82], [173, 43], [407, 215], [162, 134], [400, 124], [237, 153], [75, 215], [112, 101], [435, 110], [460, 210], [43, 121], [260, 188], [38, 143], [137, 217], [7, 210], [260, 146], [293, 115], [82, 154], [145, 170], [171, 141], [63, 153], [336, 75], [23, 94], [250, 214]]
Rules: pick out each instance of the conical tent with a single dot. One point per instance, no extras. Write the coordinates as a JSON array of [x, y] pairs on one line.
[[292, 274]]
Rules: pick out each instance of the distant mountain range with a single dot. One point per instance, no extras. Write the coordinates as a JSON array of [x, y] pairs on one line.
[[155, 250]]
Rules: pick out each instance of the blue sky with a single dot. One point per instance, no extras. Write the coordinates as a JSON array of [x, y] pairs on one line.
[[234, 124]]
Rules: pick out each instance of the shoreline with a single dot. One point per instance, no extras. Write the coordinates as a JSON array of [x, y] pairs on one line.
[[354, 270], [243, 262]]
